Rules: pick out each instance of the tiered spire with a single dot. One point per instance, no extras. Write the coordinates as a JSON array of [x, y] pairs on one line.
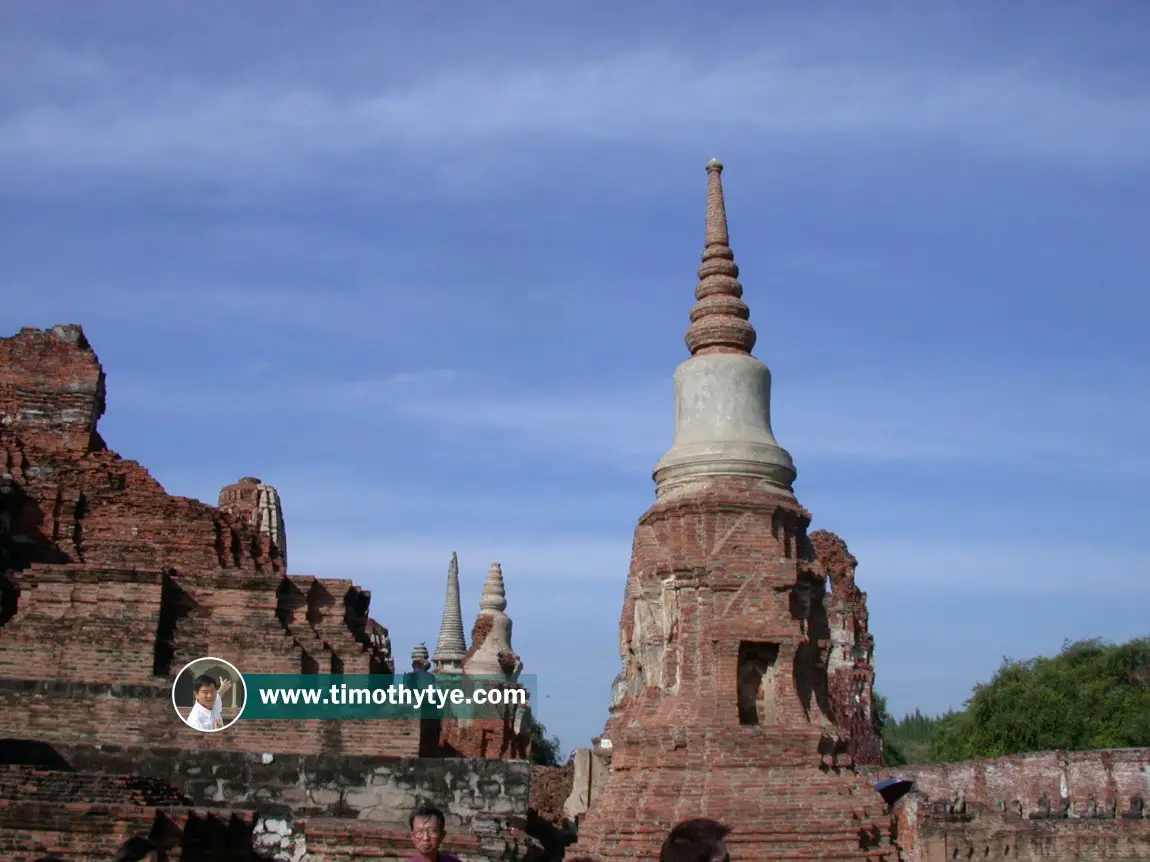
[[720, 320], [722, 392], [494, 656], [420, 660], [494, 598], [452, 646]]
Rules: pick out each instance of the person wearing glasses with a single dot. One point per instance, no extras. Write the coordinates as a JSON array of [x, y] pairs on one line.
[[698, 840], [428, 829]]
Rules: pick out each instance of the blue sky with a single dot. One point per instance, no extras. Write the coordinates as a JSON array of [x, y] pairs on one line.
[[430, 277]]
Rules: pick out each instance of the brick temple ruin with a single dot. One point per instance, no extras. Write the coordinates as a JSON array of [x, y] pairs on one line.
[[109, 586], [746, 689]]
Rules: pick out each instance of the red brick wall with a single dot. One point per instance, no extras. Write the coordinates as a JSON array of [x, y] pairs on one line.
[[144, 717], [128, 584], [930, 835], [850, 649], [727, 566], [484, 737], [109, 586], [51, 387], [85, 625], [1013, 807], [1026, 778]]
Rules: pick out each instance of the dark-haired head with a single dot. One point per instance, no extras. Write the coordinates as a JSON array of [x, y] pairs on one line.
[[204, 680], [137, 850], [428, 826], [425, 811], [698, 840]]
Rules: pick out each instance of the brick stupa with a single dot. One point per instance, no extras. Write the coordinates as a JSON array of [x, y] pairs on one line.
[[722, 708]]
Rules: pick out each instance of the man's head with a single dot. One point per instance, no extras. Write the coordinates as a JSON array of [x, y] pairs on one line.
[[205, 688], [699, 840], [137, 850], [427, 829]]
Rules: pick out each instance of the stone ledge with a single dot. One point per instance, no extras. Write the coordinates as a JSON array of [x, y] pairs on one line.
[[86, 689]]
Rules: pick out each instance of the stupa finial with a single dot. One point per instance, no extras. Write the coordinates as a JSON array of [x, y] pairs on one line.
[[720, 320]]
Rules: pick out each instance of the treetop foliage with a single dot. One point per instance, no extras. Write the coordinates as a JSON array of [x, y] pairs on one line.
[[1091, 695]]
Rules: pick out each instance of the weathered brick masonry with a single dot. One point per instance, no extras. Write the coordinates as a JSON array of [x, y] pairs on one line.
[[108, 586], [723, 707], [1053, 805], [746, 692]]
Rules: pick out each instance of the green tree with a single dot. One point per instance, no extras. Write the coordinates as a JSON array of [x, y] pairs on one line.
[[1091, 695], [907, 739], [545, 750], [892, 753]]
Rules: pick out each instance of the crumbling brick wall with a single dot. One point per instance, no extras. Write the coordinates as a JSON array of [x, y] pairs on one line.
[[722, 709], [1120, 773], [850, 650], [934, 832], [1050, 805], [109, 586]]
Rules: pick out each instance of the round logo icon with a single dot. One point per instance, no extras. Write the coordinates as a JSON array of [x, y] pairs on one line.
[[209, 694]]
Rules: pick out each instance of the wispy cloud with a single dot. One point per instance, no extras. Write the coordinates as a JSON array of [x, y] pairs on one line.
[[295, 130], [1029, 422]]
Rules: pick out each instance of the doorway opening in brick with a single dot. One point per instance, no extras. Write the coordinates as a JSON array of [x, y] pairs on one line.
[[758, 697]]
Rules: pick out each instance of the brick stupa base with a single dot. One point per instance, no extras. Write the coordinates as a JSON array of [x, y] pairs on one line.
[[722, 708]]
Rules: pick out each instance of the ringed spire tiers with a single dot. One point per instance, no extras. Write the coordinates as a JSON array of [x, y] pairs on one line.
[[451, 647], [720, 320], [722, 392]]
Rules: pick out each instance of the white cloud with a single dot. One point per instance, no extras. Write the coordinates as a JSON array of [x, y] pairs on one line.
[[295, 131], [1039, 424]]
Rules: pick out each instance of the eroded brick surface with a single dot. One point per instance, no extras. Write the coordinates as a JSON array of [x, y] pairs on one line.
[[109, 586], [722, 709], [1026, 779], [1046, 806], [934, 831], [850, 656]]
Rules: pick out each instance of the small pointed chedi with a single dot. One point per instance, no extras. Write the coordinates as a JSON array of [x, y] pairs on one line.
[[452, 647], [420, 658], [491, 652]]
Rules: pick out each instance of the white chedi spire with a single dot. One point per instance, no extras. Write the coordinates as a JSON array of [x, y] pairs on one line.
[[494, 598], [722, 392], [452, 645], [485, 660]]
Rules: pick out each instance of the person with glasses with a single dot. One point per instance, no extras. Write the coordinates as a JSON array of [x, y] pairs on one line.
[[428, 829], [698, 840]]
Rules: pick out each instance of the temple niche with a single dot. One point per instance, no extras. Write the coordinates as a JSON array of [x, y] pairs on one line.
[[758, 683]]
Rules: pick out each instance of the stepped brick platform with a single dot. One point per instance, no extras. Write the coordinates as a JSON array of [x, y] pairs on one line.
[[109, 586]]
